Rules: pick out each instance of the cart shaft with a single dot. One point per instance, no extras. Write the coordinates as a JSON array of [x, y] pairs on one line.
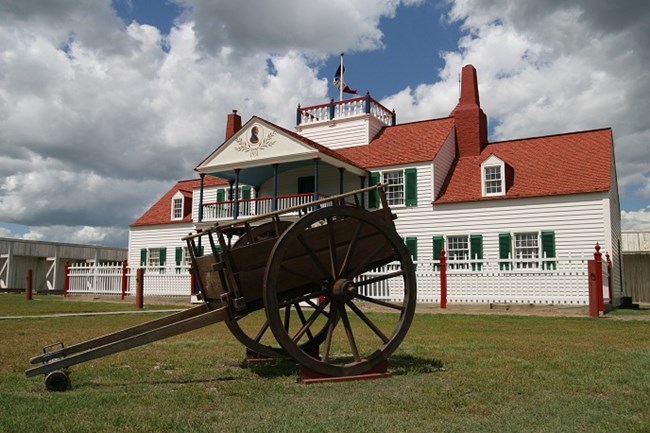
[[140, 335]]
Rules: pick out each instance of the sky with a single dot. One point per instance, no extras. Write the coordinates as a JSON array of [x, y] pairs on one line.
[[105, 104]]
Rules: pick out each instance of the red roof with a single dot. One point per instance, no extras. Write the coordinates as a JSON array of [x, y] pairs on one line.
[[402, 144], [161, 211], [572, 163]]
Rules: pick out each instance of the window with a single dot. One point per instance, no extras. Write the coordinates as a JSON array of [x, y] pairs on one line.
[[177, 208], [153, 257], [395, 186], [493, 180], [401, 187], [457, 249], [526, 250]]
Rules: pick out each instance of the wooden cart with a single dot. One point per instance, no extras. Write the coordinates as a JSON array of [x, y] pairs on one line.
[[320, 271]]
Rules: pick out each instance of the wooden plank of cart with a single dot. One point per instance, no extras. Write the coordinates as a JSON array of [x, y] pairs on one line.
[[335, 282]]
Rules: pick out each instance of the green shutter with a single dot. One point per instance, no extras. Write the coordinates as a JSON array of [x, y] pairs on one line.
[[505, 248], [412, 246], [163, 256], [245, 192], [373, 196], [143, 257], [179, 256], [221, 195], [548, 248], [476, 251], [411, 187], [438, 244]]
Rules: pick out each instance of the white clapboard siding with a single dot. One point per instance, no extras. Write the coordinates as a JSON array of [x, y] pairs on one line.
[[342, 132], [167, 236]]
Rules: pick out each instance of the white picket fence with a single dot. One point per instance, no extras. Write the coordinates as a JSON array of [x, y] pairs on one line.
[[558, 281]]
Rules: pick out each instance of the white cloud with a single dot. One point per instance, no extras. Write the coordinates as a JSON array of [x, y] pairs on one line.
[[636, 220]]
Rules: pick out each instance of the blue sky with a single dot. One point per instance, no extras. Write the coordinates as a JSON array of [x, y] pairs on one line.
[[104, 104]]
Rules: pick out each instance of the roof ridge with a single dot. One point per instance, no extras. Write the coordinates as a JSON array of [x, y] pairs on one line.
[[561, 134]]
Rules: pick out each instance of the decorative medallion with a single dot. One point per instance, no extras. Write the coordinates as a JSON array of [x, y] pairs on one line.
[[255, 140]]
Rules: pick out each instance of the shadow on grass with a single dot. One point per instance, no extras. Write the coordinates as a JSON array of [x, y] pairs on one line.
[[398, 365]]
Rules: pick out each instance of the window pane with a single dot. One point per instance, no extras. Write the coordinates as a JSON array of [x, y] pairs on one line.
[[492, 180], [526, 250], [154, 257], [395, 186], [458, 249], [178, 208]]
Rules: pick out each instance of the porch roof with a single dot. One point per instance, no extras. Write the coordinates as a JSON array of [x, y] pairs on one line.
[[259, 145]]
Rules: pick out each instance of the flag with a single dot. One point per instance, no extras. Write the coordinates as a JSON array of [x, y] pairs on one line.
[[339, 83]]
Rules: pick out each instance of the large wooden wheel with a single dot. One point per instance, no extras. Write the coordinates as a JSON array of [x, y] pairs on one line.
[[331, 256], [246, 328]]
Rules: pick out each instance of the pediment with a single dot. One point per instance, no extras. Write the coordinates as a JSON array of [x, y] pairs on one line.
[[256, 143]]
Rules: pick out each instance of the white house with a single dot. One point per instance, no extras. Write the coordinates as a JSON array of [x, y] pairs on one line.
[[520, 208]]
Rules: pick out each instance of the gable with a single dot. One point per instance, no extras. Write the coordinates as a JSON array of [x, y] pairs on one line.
[[256, 143]]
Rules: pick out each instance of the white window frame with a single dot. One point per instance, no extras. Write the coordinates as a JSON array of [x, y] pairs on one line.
[[456, 251], [493, 163], [177, 212], [395, 191], [153, 257], [527, 250]]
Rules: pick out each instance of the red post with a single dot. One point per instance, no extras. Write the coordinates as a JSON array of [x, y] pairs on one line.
[[124, 278], [599, 277], [593, 288], [443, 279], [28, 288], [609, 278], [66, 279], [139, 288]]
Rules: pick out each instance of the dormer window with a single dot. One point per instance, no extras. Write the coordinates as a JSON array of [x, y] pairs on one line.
[[493, 177], [177, 206]]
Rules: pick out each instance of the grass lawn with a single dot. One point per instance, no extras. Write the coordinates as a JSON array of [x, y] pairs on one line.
[[453, 373]]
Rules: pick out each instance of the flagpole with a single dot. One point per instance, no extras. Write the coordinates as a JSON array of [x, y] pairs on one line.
[[341, 86]]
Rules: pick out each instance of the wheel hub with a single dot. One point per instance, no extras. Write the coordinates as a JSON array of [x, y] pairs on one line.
[[342, 289]]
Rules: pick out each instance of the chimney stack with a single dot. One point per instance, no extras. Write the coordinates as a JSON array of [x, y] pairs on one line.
[[233, 124], [469, 118]]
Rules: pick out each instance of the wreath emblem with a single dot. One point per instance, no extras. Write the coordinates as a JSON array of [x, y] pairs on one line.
[[255, 142]]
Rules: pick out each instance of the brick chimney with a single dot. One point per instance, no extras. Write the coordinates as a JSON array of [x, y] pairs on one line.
[[233, 124], [470, 120]]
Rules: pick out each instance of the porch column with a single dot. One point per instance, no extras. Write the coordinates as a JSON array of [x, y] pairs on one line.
[[341, 171], [316, 179], [236, 199], [201, 198], [274, 196]]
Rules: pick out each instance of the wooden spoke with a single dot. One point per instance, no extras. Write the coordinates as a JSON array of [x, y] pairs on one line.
[[348, 332], [332, 246], [303, 321], [330, 332], [305, 298], [351, 248], [260, 334], [307, 324], [367, 321], [313, 256], [369, 258], [287, 317], [378, 278], [379, 302]]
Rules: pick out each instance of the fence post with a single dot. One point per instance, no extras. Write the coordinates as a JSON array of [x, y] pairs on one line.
[[599, 276], [609, 278], [66, 278], [28, 287], [124, 278], [593, 288], [139, 288], [443, 279]]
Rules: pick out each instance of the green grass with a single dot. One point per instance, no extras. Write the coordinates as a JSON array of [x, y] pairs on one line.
[[453, 373]]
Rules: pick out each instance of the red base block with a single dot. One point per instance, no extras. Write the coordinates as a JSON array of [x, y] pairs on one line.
[[308, 376]]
